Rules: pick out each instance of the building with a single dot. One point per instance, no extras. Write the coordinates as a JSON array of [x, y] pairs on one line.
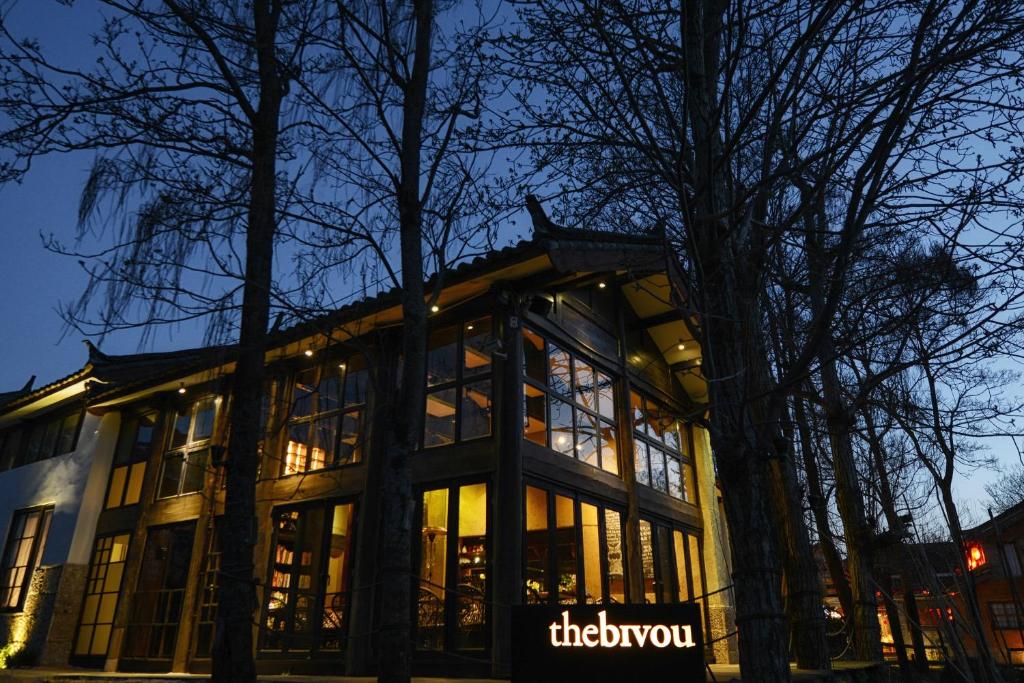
[[559, 463], [995, 558]]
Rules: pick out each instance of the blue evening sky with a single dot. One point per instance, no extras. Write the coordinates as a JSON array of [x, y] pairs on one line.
[[34, 280]]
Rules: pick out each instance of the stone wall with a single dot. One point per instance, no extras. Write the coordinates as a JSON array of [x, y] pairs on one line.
[[43, 631]]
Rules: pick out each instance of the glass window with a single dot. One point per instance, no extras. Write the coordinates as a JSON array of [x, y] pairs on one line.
[[458, 405], [157, 603], [662, 457], [325, 423], [672, 564], [574, 554], [577, 401], [44, 438], [102, 589], [25, 542], [134, 444], [451, 612], [1005, 616], [185, 464], [308, 589]]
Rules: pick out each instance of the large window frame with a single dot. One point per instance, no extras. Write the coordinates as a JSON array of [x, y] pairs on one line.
[[326, 422], [544, 582], [26, 540], [668, 552], [327, 614], [186, 458], [43, 438], [135, 442], [459, 383], [570, 403], [452, 610], [102, 596], [662, 449]]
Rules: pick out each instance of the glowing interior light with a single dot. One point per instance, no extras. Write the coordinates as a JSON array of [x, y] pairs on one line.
[[975, 555], [341, 366], [601, 285], [308, 352], [681, 346], [181, 389], [435, 308]]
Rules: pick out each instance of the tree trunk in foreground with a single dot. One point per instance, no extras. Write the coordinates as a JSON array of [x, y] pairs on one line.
[[395, 653], [233, 636], [803, 585]]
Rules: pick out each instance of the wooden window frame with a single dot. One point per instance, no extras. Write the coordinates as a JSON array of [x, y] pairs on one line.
[[35, 553], [684, 459], [461, 383], [551, 395], [189, 447]]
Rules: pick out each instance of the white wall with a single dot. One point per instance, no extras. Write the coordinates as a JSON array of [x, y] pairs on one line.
[[74, 484]]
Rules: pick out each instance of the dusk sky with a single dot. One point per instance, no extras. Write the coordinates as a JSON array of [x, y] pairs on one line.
[[35, 281]]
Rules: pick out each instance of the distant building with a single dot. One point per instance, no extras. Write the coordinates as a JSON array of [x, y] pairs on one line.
[[995, 556], [557, 465]]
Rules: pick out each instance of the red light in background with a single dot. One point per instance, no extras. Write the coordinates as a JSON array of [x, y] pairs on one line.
[[975, 555]]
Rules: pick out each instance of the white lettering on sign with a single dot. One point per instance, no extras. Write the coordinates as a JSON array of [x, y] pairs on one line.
[[603, 634]]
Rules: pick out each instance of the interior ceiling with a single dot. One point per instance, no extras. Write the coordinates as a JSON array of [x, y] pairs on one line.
[[650, 298]]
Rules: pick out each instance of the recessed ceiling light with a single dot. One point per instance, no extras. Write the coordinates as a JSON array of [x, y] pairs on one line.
[[181, 389], [601, 285], [681, 345], [434, 308], [309, 353]]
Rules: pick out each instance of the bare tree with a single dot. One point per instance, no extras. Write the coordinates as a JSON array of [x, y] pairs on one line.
[[702, 120], [186, 106]]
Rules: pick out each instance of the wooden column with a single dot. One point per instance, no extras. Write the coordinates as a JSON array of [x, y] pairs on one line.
[[624, 418], [359, 658], [506, 568]]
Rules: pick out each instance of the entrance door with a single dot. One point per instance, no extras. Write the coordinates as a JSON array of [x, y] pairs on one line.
[[152, 629]]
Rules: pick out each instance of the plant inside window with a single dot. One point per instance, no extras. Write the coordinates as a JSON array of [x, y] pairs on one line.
[[569, 405], [458, 405], [325, 424], [188, 453]]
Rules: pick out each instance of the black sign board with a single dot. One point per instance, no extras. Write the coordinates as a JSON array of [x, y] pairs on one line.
[[613, 643]]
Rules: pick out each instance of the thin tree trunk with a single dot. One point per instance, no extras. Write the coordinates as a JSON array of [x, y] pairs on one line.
[[803, 585], [233, 638], [819, 509], [888, 503], [395, 655]]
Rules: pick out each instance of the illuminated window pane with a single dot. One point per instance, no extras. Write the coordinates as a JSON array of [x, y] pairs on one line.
[[647, 561], [471, 606], [586, 438], [537, 545], [613, 556], [116, 490], [586, 394], [675, 478], [439, 425], [696, 567], [103, 587], [606, 396], [561, 427], [433, 570], [351, 446], [566, 549], [681, 575], [535, 415], [642, 471], [609, 449], [25, 542], [134, 489], [559, 371], [592, 590]]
